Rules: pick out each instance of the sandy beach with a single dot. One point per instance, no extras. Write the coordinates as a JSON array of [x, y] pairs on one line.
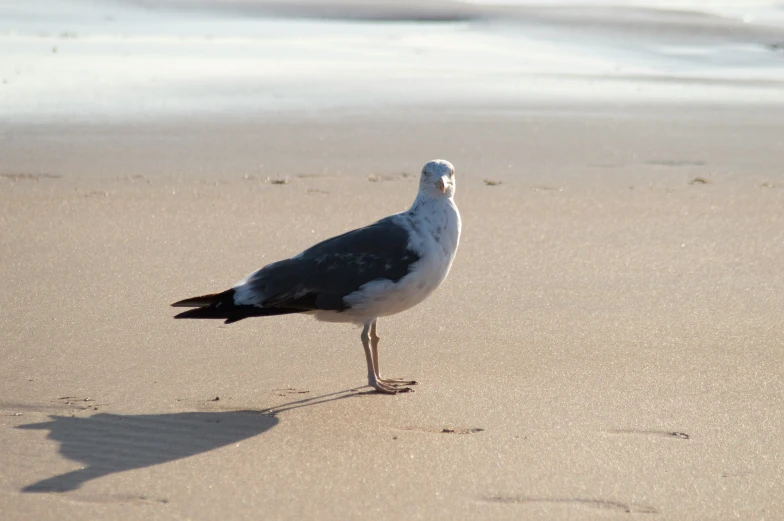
[[608, 343]]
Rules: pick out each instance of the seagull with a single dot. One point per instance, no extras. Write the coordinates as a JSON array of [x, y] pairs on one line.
[[376, 271]]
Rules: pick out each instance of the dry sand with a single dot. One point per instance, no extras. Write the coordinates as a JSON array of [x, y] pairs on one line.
[[608, 343]]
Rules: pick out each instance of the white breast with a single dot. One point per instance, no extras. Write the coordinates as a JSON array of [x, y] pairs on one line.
[[434, 226]]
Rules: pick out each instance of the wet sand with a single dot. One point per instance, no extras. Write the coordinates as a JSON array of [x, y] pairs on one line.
[[608, 342]]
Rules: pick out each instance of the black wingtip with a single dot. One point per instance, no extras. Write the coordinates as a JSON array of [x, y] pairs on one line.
[[222, 306], [203, 300], [216, 306], [206, 312]]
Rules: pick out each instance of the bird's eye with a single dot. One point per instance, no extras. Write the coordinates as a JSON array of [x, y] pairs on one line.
[[451, 173]]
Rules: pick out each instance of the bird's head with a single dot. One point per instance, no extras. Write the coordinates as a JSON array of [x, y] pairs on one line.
[[438, 179]]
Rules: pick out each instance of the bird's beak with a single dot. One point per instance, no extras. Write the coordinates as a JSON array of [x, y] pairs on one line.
[[443, 183]]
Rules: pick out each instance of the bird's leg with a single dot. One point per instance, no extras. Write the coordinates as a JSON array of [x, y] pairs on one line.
[[372, 380], [374, 338]]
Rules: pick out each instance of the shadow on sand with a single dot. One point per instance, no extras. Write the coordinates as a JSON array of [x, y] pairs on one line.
[[109, 443]]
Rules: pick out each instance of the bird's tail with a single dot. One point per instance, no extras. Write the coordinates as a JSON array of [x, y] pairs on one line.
[[222, 306]]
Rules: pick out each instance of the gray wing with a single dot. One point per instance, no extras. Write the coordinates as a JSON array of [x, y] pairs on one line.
[[321, 276]]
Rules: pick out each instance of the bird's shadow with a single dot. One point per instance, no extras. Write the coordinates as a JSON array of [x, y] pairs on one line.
[[109, 443]]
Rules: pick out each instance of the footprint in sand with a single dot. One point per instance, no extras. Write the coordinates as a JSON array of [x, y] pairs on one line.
[[443, 430], [665, 434], [603, 504]]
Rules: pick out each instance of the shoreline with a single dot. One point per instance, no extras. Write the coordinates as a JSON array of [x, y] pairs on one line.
[[123, 61]]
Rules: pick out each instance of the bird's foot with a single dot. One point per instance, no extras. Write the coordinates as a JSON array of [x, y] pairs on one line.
[[396, 381], [383, 387]]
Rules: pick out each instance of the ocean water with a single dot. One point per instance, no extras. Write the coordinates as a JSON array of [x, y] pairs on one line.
[[94, 60], [748, 11]]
